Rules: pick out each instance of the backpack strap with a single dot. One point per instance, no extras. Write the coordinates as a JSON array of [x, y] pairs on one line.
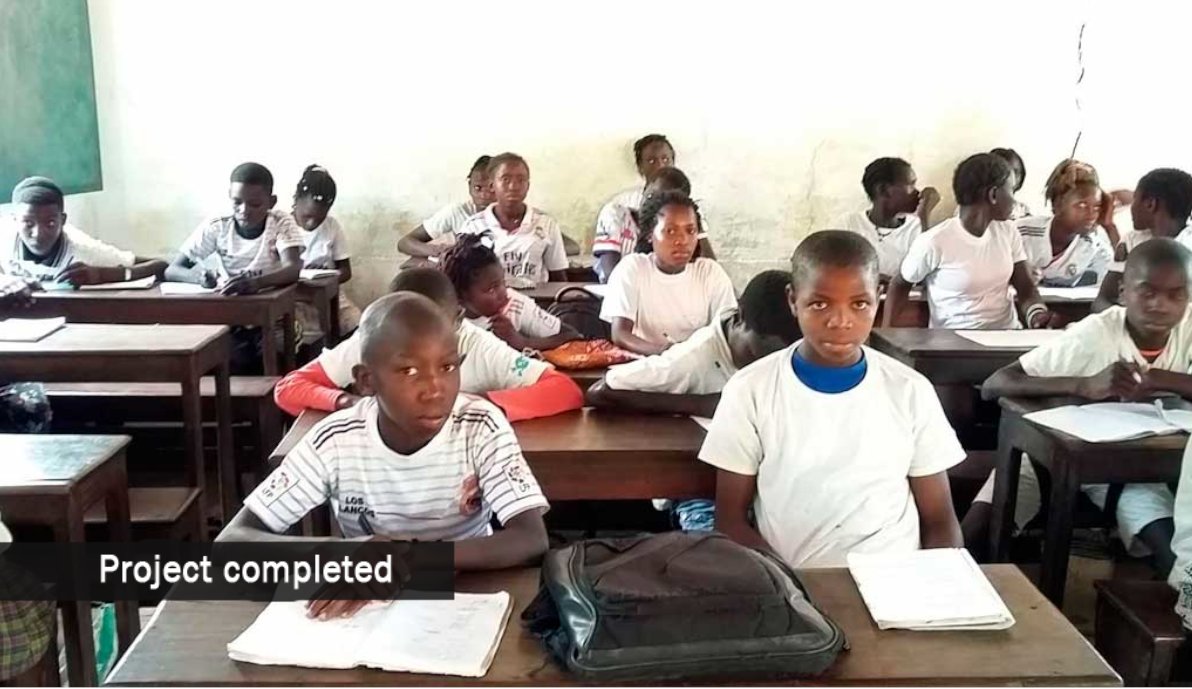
[[649, 546]]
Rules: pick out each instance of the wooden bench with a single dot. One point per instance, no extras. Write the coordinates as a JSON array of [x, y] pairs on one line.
[[1137, 630]]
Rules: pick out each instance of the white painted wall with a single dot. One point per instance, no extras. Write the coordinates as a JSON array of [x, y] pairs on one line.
[[774, 108]]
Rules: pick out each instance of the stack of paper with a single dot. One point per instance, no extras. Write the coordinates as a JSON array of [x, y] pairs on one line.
[[440, 637], [1110, 422], [1012, 339], [1087, 293], [184, 288], [143, 283], [28, 329], [938, 589], [314, 273]]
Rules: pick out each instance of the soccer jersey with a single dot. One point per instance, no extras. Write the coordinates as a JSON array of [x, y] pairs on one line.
[[529, 252]]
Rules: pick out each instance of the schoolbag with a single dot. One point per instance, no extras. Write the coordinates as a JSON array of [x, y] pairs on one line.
[[580, 309], [675, 606]]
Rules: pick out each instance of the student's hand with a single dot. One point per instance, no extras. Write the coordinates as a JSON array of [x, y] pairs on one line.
[[346, 400], [79, 274], [1108, 208], [244, 283], [503, 328], [1046, 320], [17, 292], [207, 278], [344, 600], [929, 198], [1121, 380]]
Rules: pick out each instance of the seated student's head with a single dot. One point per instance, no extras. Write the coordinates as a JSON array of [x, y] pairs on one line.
[[1162, 193], [1019, 168], [409, 360], [509, 177], [985, 180], [652, 153], [38, 206], [670, 228], [667, 179], [313, 197], [477, 274], [433, 284], [479, 185], [251, 192], [1074, 192], [1155, 286], [764, 323], [891, 183], [833, 294]]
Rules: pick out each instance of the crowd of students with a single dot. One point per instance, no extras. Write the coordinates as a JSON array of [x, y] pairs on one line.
[[822, 445]]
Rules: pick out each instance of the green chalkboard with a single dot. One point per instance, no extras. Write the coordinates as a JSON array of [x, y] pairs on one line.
[[48, 124]]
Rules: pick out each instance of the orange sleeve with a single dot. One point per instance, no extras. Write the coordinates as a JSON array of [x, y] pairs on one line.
[[306, 388], [554, 393]]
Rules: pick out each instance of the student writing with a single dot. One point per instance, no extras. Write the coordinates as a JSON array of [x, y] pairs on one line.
[[326, 244]]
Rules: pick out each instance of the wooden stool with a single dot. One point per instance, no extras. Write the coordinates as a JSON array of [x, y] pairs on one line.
[[1137, 629]]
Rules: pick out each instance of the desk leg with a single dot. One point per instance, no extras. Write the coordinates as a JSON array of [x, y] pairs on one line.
[[229, 494], [128, 619], [335, 333], [1057, 539], [269, 346], [76, 615], [192, 428], [323, 306], [289, 343], [1005, 490]]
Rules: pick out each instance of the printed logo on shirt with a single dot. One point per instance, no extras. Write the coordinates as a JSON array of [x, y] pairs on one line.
[[1071, 270], [469, 496], [518, 475], [279, 483], [520, 365], [354, 504], [540, 232], [516, 264]]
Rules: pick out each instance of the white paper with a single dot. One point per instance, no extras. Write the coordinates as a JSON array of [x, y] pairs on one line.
[[596, 290], [1109, 422], [28, 329], [1011, 339], [313, 273], [1087, 293], [185, 288], [936, 589], [703, 421], [143, 283], [442, 637]]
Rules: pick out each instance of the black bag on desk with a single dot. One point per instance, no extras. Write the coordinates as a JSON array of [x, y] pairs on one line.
[[580, 309], [675, 606]]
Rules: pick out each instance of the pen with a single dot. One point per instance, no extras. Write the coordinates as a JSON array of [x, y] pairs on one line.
[[365, 527]]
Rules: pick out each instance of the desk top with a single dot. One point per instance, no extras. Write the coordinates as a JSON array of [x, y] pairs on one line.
[[75, 339], [53, 462], [937, 342], [154, 293], [1172, 445], [185, 644]]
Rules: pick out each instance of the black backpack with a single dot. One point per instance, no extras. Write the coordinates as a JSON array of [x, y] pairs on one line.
[[580, 309], [675, 606]]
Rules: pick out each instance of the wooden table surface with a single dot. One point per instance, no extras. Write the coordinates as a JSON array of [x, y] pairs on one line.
[[323, 292], [185, 644], [944, 357]]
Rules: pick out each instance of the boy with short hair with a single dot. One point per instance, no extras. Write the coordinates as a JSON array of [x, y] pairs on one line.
[[835, 447]]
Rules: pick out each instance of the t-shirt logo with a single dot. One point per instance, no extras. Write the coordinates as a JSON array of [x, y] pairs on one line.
[[540, 232], [520, 365], [518, 475], [1071, 270], [469, 495], [278, 484], [354, 504]]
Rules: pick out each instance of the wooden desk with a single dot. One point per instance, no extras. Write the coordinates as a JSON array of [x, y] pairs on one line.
[[323, 292], [585, 378], [944, 357], [1069, 462], [591, 455], [149, 306], [545, 293], [142, 354], [185, 644], [51, 480]]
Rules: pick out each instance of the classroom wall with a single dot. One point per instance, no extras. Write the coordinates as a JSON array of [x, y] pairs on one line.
[[774, 108]]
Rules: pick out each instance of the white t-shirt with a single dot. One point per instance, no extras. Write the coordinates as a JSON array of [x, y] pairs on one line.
[[527, 317], [489, 364], [218, 237], [1090, 345], [1086, 256], [1135, 237], [666, 308], [449, 219], [700, 365], [325, 245], [967, 278], [447, 491], [891, 243], [617, 231], [76, 246], [832, 469], [528, 253]]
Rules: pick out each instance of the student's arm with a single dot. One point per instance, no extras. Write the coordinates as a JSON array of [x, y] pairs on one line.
[[570, 246], [285, 274], [566, 334], [247, 527], [928, 200], [344, 266], [600, 395], [897, 297], [623, 337], [1160, 380], [522, 542], [605, 262], [1116, 381], [82, 274], [185, 269], [553, 393], [1035, 313], [938, 527], [1111, 286], [734, 499], [417, 243], [310, 388]]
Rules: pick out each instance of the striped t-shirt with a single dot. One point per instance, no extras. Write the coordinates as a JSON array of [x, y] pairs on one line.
[[447, 491], [1084, 262], [236, 254]]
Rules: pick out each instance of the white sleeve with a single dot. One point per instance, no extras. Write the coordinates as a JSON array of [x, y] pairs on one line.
[[490, 364], [1181, 542], [733, 442], [1017, 248], [536, 321], [658, 373], [556, 253], [506, 482], [1075, 353], [609, 226], [338, 361], [720, 291], [441, 223], [93, 252], [921, 260], [620, 295], [300, 484], [339, 243], [936, 446], [288, 235], [202, 242]]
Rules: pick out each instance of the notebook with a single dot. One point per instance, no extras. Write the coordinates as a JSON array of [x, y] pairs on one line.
[[941, 589], [313, 273], [1109, 422], [438, 637], [28, 329], [596, 290], [1014, 339], [143, 283], [1087, 293], [183, 288]]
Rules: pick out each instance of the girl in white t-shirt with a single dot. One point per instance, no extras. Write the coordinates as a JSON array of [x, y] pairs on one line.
[[479, 280], [436, 234], [326, 245], [660, 296], [1019, 168], [1074, 245]]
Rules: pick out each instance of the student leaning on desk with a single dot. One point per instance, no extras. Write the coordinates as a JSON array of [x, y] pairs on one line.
[[417, 460]]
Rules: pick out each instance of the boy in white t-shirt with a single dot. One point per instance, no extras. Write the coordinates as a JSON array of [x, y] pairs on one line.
[[897, 214], [416, 461], [326, 245], [436, 234], [835, 447], [660, 298], [528, 241], [1127, 353]]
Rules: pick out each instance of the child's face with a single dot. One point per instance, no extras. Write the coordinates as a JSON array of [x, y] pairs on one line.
[[487, 296], [835, 310], [309, 214], [903, 196], [415, 382], [1155, 300], [748, 346], [1079, 208], [675, 237], [655, 157], [511, 183], [1003, 201], [250, 204], [480, 189], [1142, 211], [41, 226]]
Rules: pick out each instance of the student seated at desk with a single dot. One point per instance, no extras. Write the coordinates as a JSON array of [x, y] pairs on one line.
[[1180, 577], [835, 447], [326, 245], [1074, 245], [528, 241], [522, 387], [479, 280], [660, 296], [24, 407], [421, 460], [37, 243], [1021, 210], [1129, 353], [1159, 207], [437, 233], [968, 262], [651, 154], [897, 215]]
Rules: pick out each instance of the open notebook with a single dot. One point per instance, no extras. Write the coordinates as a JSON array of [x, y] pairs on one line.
[[439, 637], [28, 329], [315, 273], [938, 589], [1109, 422]]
